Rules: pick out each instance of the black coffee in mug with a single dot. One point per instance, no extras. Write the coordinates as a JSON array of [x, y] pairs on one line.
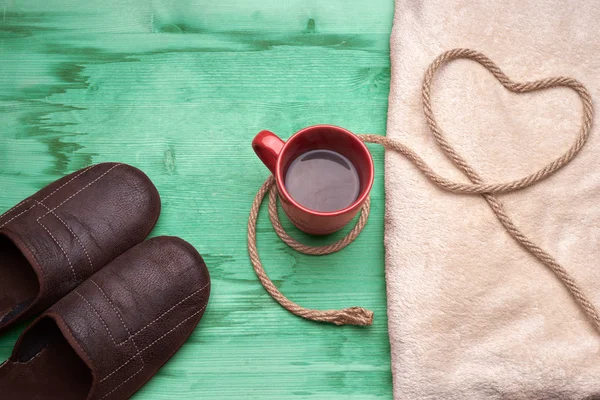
[[322, 180]]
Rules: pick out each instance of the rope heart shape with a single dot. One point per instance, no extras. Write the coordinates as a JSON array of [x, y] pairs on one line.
[[360, 316]]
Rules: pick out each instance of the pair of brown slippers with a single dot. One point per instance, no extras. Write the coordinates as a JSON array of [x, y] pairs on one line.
[[116, 307]]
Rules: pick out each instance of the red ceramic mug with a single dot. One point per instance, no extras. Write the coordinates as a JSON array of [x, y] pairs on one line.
[[277, 155]]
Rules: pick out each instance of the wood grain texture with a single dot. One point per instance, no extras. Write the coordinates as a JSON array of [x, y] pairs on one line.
[[178, 89]]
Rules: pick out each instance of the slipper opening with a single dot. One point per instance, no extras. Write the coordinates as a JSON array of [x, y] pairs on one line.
[[45, 367], [19, 283]]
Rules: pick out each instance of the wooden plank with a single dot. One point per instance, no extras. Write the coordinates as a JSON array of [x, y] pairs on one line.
[[179, 89]]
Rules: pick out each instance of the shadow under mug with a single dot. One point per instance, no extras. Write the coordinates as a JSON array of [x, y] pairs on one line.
[[277, 155]]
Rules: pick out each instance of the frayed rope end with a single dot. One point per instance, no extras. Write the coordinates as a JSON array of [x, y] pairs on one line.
[[354, 316]]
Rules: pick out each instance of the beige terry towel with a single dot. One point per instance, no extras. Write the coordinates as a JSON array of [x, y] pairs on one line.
[[471, 314]]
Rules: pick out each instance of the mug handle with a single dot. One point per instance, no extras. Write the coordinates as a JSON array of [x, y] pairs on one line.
[[267, 147]]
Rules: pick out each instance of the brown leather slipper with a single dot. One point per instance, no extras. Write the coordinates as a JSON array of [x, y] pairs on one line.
[[57, 238], [109, 336]]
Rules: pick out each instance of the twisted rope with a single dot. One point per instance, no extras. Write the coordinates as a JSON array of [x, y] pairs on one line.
[[347, 316], [361, 316]]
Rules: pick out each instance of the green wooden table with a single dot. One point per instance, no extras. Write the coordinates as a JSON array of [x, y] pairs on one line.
[[179, 89]]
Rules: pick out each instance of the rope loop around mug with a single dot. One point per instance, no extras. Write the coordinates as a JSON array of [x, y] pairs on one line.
[[361, 316]]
